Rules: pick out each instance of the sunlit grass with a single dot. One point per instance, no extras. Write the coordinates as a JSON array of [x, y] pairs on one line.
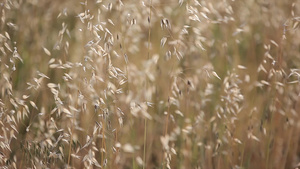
[[150, 84]]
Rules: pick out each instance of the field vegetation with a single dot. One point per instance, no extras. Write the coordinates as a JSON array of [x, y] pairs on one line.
[[152, 84]]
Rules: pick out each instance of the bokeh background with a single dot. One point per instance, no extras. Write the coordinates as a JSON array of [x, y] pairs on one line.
[[149, 84]]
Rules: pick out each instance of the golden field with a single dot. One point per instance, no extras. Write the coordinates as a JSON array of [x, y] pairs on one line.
[[188, 84]]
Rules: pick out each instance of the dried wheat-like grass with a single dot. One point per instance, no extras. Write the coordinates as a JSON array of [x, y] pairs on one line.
[[153, 84]]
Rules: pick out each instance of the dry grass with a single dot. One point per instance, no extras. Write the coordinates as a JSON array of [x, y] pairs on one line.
[[149, 84]]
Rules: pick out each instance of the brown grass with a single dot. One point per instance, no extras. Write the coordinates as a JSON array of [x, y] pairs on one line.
[[149, 84]]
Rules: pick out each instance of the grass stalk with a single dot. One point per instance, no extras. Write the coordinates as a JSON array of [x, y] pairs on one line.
[[70, 147], [148, 57], [145, 141]]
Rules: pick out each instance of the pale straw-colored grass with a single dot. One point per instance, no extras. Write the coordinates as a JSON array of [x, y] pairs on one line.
[[149, 84]]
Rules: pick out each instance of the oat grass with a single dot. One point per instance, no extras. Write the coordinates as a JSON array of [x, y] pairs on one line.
[[150, 84]]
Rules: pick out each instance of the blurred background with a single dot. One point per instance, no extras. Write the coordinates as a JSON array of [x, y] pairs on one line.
[[149, 84]]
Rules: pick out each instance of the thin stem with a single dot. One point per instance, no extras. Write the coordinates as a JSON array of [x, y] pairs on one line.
[[167, 118], [70, 147], [166, 127], [145, 138], [149, 28], [243, 153], [149, 40], [103, 146]]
